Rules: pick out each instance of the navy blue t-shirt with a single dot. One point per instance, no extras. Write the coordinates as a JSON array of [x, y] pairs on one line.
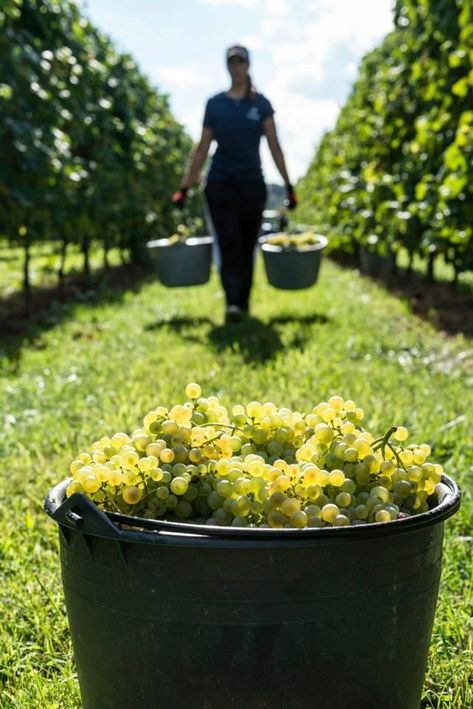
[[237, 126]]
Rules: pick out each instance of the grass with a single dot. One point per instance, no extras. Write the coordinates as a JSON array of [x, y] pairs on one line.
[[108, 362]]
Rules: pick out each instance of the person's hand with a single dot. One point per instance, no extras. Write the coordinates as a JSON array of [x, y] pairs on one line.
[[179, 198], [291, 200]]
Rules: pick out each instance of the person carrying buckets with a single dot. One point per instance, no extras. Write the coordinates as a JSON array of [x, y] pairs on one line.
[[235, 191]]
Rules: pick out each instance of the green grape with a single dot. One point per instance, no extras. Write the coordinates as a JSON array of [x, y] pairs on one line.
[[362, 497], [339, 451], [90, 484], [383, 516], [341, 521], [73, 488], [276, 519], [214, 501], [290, 506], [162, 492], [171, 502], [241, 506], [222, 517], [167, 455], [247, 449], [224, 488], [323, 477], [343, 499], [362, 511], [350, 455], [193, 391], [180, 453], [312, 510], [198, 418], [379, 493], [329, 512], [299, 519], [277, 499], [183, 509], [336, 478], [349, 486], [253, 409], [132, 495], [191, 494], [400, 434], [402, 488]]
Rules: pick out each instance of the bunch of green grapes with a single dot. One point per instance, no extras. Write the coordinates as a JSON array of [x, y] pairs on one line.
[[298, 242], [183, 232], [258, 465]]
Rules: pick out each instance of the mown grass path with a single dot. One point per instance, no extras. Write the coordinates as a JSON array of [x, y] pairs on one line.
[[104, 366]]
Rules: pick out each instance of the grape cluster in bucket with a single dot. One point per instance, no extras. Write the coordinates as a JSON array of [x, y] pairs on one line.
[[258, 465]]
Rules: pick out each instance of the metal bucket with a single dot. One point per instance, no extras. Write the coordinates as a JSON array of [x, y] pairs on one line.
[[183, 263], [292, 269]]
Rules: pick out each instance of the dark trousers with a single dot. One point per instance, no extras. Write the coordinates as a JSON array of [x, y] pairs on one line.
[[236, 211]]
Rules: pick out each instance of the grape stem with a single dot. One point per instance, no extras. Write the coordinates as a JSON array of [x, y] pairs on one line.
[[384, 441], [225, 425], [381, 442]]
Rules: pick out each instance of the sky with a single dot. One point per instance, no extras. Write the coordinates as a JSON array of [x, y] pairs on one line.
[[304, 57]]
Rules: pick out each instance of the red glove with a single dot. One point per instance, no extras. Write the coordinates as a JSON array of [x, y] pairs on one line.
[[179, 198], [291, 201]]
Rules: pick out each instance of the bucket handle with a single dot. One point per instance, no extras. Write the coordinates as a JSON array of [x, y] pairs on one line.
[[79, 513]]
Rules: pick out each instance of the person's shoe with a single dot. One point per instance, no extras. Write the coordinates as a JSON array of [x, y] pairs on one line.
[[233, 313]]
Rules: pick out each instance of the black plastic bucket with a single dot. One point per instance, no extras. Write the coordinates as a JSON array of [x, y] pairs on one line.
[[183, 263], [292, 269], [187, 616]]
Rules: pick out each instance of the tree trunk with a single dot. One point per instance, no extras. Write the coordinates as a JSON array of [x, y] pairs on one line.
[[26, 266], [62, 261], [430, 267], [106, 262], [106, 249], [410, 264], [85, 248], [456, 272]]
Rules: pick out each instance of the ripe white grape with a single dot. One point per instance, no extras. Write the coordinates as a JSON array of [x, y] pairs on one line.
[[258, 465]]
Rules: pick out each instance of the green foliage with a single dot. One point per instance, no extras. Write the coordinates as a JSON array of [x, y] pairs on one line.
[[397, 170], [90, 150]]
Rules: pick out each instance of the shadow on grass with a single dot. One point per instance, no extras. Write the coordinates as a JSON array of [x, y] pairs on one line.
[[447, 308], [179, 324], [254, 339], [23, 321]]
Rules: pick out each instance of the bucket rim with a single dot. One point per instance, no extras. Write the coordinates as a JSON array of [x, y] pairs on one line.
[[74, 512], [276, 249], [191, 241]]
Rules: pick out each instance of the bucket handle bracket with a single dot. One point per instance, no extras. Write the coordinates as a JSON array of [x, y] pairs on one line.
[[81, 514]]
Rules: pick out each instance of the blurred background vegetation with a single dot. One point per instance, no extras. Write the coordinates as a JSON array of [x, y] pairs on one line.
[[396, 171], [91, 151]]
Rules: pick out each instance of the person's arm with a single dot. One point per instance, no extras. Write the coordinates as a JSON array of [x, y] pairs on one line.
[[269, 129], [198, 158]]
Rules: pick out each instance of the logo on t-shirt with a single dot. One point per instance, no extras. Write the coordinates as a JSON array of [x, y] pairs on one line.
[[253, 114]]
